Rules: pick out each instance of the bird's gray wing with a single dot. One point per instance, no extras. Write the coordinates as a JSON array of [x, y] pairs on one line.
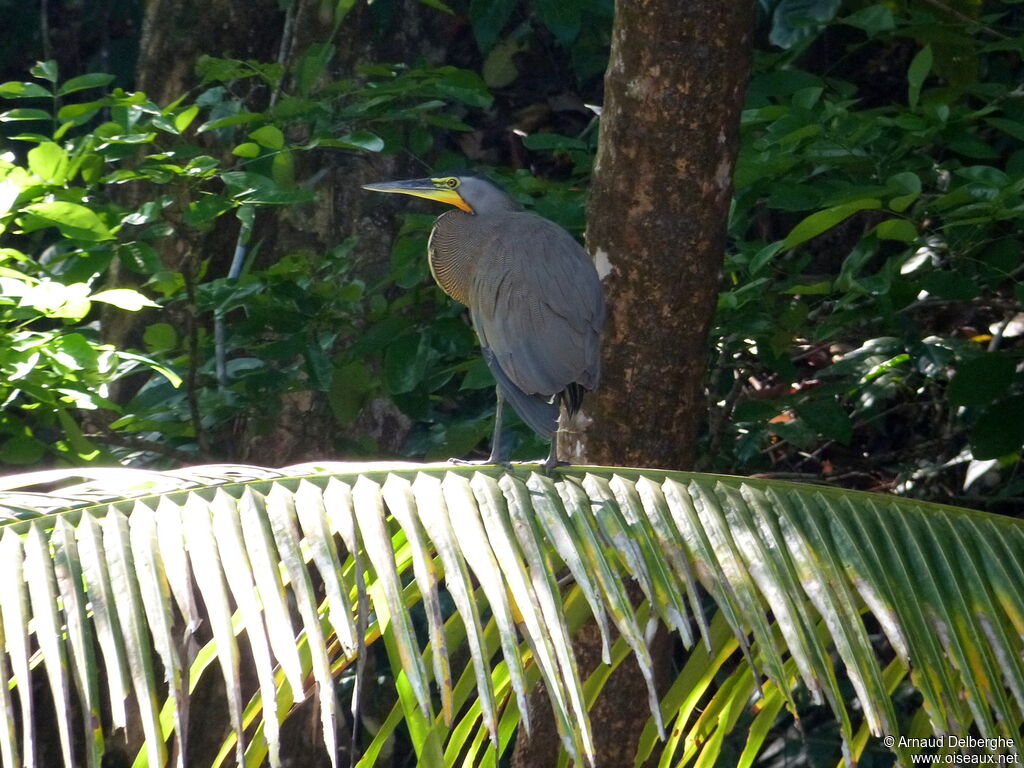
[[537, 305]]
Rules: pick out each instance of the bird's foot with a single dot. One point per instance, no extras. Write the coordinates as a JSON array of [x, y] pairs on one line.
[[551, 463], [481, 462], [552, 460]]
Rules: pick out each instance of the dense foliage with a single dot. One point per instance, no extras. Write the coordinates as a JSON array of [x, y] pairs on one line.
[[869, 327], [867, 332], [870, 321]]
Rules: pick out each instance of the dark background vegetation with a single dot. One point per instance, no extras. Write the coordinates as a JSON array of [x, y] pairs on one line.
[[204, 162], [868, 331]]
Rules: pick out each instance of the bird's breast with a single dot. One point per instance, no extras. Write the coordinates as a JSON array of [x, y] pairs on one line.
[[451, 254]]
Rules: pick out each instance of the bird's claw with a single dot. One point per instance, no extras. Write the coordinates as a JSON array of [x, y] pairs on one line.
[[480, 462], [548, 465]]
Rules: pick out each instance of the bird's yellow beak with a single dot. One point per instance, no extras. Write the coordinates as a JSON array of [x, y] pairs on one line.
[[431, 189]]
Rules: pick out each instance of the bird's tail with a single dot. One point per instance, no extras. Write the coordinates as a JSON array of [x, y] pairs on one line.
[[539, 413], [572, 396]]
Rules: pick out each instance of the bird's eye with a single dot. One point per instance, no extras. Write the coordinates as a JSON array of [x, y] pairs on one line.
[[451, 183]]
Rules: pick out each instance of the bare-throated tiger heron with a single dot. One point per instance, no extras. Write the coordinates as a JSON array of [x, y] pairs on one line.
[[533, 294]]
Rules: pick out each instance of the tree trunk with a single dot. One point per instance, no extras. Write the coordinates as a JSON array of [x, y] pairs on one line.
[[656, 223], [656, 229]]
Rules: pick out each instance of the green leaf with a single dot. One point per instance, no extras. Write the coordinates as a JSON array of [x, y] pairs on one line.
[[985, 174], [874, 19], [1000, 430], [796, 20], [280, 511], [405, 363], [822, 221], [905, 182], [764, 257], [242, 118], [84, 353], [42, 588], [80, 83], [184, 119], [201, 213], [312, 66], [160, 337], [349, 386], [465, 86], [227, 527], [211, 68], [478, 376], [897, 229], [139, 257], [820, 288], [907, 185], [827, 417], [18, 90], [124, 298], [488, 18], [920, 68], [438, 5], [282, 169], [47, 70], [49, 162], [90, 168], [950, 285], [982, 380], [367, 140], [255, 189], [55, 299], [969, 145], [499, 69], [1013, 128], [73, 220], [22, 450], [68, 570], [268, 136], [79, 114], [13, 115], [247, 149], [562, 17]]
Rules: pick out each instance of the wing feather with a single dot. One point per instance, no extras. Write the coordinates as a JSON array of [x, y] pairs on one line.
[[536, 303]]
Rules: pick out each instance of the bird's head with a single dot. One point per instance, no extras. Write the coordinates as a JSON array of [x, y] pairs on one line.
[[472, 194]]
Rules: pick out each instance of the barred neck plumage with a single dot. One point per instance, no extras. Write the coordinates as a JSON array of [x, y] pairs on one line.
[[453, 262]]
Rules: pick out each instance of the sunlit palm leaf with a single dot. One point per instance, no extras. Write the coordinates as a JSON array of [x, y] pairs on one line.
[[119, 561]]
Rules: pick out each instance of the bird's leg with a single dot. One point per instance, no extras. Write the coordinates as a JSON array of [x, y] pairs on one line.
[[495, 457], [552, 460]]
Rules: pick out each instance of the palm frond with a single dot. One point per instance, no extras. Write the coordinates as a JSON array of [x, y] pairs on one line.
[[315, 561]]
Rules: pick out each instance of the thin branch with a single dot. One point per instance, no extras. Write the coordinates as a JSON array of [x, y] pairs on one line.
[[192, 375], [997, 337], [44, 29], [940, 6], [284, 52], [720, 418]]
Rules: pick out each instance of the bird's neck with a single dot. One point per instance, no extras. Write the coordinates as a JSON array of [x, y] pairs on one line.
[[453, 257]]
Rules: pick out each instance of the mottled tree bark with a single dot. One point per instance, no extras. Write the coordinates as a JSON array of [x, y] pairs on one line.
[[656, 229], [175, 33], [656, 224]]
